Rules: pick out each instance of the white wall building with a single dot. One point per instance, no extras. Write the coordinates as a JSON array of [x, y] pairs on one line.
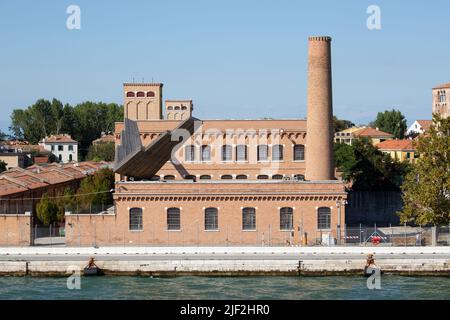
[[419, 127], [62, 146]]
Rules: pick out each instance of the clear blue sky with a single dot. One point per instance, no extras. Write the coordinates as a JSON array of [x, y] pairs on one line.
[[236, 59]]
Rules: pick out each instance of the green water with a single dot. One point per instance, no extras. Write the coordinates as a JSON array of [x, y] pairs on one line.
[[340, 287]]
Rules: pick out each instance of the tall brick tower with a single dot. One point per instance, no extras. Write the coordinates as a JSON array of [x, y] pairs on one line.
[[319, 137]]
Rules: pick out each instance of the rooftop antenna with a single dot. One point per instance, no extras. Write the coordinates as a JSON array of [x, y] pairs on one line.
[[152, 79], [142, 79], [133, 79]]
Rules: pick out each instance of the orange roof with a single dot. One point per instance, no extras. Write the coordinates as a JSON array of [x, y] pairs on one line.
[[425, 124], [105, 139], [371, 133], [443, 86], [61, 138], [18, 180], [396, 145], [8, 186]]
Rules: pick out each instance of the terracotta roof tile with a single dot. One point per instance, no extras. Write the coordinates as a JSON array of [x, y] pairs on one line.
[[443, 86], [396, 145], [425, 124], [59, 139], [371, 132]]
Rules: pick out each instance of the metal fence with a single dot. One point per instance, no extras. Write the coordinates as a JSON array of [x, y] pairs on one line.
[[106, 234]]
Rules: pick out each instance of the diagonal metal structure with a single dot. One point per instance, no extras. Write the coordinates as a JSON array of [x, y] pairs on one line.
[[134, 160]]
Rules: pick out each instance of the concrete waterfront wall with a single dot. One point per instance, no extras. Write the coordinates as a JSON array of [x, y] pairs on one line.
[[210, 261], [15, 229], [229, 267]]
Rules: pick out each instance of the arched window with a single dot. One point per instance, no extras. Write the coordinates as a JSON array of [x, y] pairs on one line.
[[227, 153], [140, 94], [211, 219], [175, 116], [299, 152], [169, 116], [205, 177], [177, 108], [190, 177], [183, 108], [173, 219], [262, 177], [169, 177], [136, 219], [169, 108], [277, 177], [286, 218], [150, 94], [227, 177], [189, 153], [182, 116], [130, 94], [206, 153], [263, 152], [248, 219], [241, 177], [155, 178], [324, 218], [277, 152], [299, 177], [241, 153]]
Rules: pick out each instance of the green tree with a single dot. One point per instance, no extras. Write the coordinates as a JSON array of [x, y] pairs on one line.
[[426, 191], [47, 210], [94, 190], [367, 168], [65, 202], [2, 166], [85, 122], [340, 124], [393, 122], [101, 152]]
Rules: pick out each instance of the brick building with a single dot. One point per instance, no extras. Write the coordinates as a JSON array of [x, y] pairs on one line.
[[185, 181]]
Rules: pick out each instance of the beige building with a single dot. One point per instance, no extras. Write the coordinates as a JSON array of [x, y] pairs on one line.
[[222, 182], [441, 100], [400, 150], [347, 136]]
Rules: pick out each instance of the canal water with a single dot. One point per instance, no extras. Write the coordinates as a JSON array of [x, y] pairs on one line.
[[190, 287]]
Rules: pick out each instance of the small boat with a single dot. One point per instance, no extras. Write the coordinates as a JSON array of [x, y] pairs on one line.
[[92, 271]]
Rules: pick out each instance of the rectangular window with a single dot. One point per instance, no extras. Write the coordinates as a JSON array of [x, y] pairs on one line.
[[135, 219], [189, 153], [277, 152], [248, 219], [206, 153], [70, 148], [241, 153], [299, 152], [227, 153], [263, 153], [211, 219], [60, 148], [53, 148], [173, 219]]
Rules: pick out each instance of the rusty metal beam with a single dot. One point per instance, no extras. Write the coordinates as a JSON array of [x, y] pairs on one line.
[[134, 160]]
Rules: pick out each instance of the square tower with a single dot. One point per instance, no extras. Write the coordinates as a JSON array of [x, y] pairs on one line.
[[441, 100], [178, 109], [143, 101]]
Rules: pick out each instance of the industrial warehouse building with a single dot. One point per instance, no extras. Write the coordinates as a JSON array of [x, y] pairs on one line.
[[185, 181]]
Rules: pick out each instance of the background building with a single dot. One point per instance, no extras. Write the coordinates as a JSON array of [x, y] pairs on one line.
[[376, 136], [62, 146], [441, 100]]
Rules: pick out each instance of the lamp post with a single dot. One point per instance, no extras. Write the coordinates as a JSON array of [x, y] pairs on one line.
[[339, 204]]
